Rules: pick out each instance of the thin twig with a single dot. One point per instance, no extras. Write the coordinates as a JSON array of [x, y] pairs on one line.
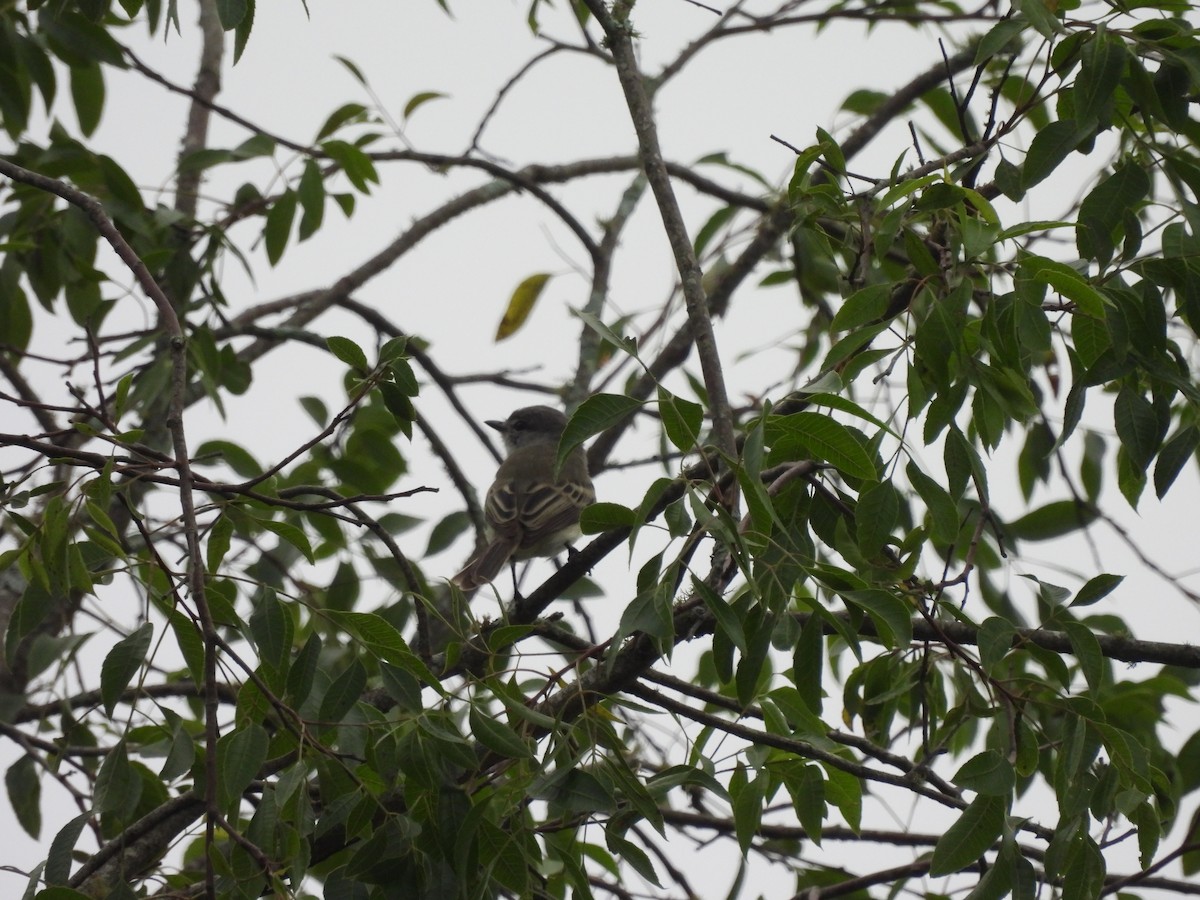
[[169, 323]]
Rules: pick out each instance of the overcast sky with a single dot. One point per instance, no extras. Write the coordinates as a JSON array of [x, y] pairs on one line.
[[453, 291]]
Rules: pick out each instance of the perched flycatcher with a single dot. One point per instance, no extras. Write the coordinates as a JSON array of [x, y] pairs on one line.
[[529, 512]]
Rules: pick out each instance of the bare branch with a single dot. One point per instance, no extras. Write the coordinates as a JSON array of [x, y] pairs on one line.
[[617, 28]]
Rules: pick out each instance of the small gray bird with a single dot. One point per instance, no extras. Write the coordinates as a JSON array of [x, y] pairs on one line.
[[528, 511]]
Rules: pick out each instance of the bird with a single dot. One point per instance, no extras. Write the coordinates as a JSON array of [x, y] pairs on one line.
[[530, 510]]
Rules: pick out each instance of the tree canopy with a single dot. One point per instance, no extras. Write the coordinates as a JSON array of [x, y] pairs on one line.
[[841, 624]]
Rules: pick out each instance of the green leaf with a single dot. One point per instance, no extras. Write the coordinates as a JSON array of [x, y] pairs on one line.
[[833, 401], [343, 693], [349, 352], [748, 796], [799, 183], [254, 146], [1131, 478], [1083, 874], [727, 620], [970, 837], [16, 316], [597, 413], [862, 307], [1000, 36], [1049, 147], [1087, 650], [353, 69], [763, 518], [381, 639], [1049, 593], [831, 151], [394, 352], [1191, 859], [601, 517], [844, 791], [118, 786], [875, 515], [625, 344], [311, 194], [316, 409], [447, 531], [827, 439], [1137, 426], [347, 112], [631, 789], [1102, 64], [219, 538], [502, 859], [1091, 338], [242, 31], [231, 13], [754, 667], [58, 862], [25, 794], [709, 229], [87, 92], [290, 534], [632, 855], [681, 420], [121, 664], [987, 773], [416, 101], [1174, 455], [1023, 228], [400, 405], [77, 40], [1096, 589], [808, 658], [1091, 466], [1041, 16], [271, 628], [240, 756], [1103, 210], [498, 736], [181, 757], [649, 612], [963, 464], [864, 102], [1149, 827], [852, 345], [357, 166], [943, 511], [1053, 520], [807, 789], [939, 342], [800, 716], [304, 668], [1067, 282], [892, 616], [279, 225], [191, 643], [233, 455]]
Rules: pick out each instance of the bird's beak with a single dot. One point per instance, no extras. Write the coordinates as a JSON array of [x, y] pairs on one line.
[[496, 423]]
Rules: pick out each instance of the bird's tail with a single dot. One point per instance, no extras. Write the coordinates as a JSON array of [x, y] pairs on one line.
[[487, 565]]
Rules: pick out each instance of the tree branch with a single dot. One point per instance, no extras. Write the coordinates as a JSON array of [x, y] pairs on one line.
[[618, 30]]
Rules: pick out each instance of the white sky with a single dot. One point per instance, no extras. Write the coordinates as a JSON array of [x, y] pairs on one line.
[[453, 289]]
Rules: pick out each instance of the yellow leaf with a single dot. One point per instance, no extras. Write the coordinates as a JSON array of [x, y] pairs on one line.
[[521, 305]]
